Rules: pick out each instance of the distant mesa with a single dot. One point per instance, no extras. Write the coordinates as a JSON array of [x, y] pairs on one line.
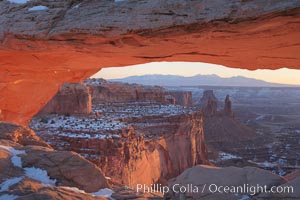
[[77, 98]]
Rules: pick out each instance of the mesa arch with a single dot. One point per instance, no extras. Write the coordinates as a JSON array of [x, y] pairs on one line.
[[71, 40]]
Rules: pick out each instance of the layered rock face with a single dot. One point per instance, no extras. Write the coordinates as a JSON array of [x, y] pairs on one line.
[[20, 134], [227, 107], [182, 98], [209, 105], [72, 98], [211, 108], [68, 41], [208, 95], [224, 133], [134, 142], [133, 127], [104, 91]]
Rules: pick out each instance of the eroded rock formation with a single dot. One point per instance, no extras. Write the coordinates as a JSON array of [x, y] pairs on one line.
[[30, 171], [105, 91], [224, 133], [208, 95], [152, 150], [68, 41], [211, 108], [20, 134], [227, 107], [182, 98], [72, 98]]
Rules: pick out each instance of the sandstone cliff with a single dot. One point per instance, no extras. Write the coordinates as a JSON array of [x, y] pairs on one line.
[[227, 107], [104, 91], [208, 95], [152, 151], [182, 98], [72, 98], [68, 41], [224, 133]]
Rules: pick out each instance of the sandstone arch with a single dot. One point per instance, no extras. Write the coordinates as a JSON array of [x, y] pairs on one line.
[[73, 39]]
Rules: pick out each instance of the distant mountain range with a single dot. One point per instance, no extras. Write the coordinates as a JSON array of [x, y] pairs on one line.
[[197, 80]]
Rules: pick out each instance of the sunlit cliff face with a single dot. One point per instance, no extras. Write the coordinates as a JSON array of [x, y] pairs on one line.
[[68, 41]]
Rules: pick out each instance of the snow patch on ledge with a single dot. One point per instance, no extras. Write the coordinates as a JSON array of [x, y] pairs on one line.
[[227, 156], [8, 197], [5, 185], [76, 6], [106, 192], [38, 8], [39, 175], [18, 1], [15, 159]]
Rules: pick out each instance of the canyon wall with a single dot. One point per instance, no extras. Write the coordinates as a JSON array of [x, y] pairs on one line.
[[104, 91], [143, 154], [72, 98], [224, 133], [71, 40], [182, 98]]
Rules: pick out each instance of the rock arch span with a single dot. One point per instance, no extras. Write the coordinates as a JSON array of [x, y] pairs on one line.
[[69, 41]]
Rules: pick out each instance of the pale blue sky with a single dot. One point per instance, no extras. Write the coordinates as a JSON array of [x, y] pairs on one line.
[[283, 75]]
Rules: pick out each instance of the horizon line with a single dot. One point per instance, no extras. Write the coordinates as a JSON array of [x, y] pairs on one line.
[[154, 74]]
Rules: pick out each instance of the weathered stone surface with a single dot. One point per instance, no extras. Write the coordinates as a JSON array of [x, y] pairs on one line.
[[29, 189], [289, 191], [224, 133], [71, 40], [104, 91], [161, 147], [227, 107], [208, 95], [20, 134], [211, 108], [182, 98], [72, 98], [68, 168], [229, 176]]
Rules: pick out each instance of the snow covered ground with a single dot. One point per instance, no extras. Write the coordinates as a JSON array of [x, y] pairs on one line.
[[38, 8], [18, 1], [227, 156], [107, 120]]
